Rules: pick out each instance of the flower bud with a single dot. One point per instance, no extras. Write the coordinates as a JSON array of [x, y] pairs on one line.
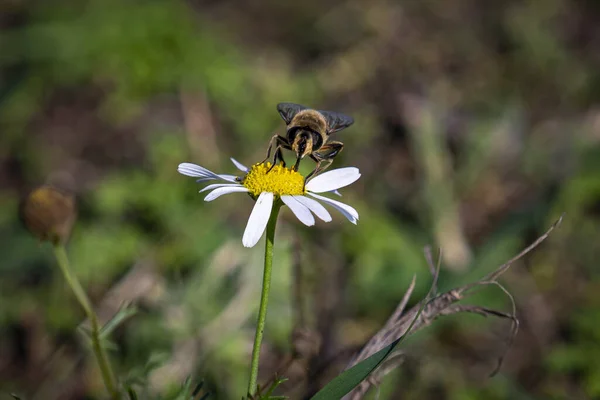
[[49, 213]]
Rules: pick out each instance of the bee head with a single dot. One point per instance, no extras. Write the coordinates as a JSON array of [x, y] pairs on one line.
[[303, 144]]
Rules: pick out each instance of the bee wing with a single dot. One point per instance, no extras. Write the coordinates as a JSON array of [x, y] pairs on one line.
[[289, 110], [336, 121]]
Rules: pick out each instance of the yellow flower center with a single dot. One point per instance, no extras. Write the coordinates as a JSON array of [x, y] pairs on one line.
[[279, 180]]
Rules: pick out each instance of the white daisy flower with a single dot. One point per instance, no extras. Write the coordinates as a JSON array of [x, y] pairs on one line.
[[279, 183]]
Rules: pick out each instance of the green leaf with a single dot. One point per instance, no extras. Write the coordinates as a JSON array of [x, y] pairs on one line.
[[123, 314], [269, 394], [132, 394], [349, 379]]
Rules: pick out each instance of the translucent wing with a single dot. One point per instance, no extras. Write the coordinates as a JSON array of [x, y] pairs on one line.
[[288, 110], [336, 121]]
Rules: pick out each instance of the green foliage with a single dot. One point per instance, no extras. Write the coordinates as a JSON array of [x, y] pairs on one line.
[[94, 90], [581, 357]]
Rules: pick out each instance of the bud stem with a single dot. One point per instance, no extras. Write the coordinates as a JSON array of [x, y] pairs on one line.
[[99, 351]]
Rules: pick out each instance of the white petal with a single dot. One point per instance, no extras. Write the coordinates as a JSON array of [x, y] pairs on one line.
[[336, 192], [224, 190], [204, 180], [224, 177], [300, 210], [227, 177], [350, 213], [332, 180], [190, 169], [219, 185], [197, 171], [315, 207], [258, 219], [239, 165]]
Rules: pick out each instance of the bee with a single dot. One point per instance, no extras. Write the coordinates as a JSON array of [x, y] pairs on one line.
[[308, 134]]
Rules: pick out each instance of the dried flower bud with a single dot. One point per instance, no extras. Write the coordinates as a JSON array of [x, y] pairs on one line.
[[49, 213]]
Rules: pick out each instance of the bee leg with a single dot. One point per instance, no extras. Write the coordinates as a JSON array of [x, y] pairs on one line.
[[279, 141], [330, 150], [269, 148], [324, 157], [278, 156], [322, 165], [297, 164]]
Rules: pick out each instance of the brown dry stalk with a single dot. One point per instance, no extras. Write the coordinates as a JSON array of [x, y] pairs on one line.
[[434, 306]]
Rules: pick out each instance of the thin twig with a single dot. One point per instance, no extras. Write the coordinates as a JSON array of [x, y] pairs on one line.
[[434, 268], [504, 267], [514, 324]]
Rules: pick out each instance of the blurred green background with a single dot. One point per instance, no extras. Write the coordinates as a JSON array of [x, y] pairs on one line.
[[477, 125]]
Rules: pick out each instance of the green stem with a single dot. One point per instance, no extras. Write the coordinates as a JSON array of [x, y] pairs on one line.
[[264, 298], [99, 351]]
